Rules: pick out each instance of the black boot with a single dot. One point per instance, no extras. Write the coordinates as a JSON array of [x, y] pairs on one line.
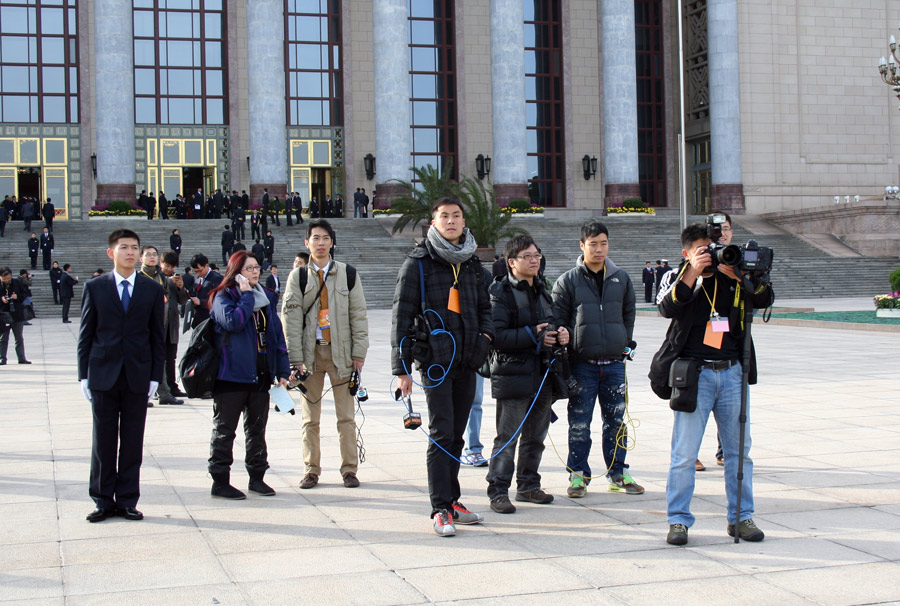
[[222, 489], [257, 486]]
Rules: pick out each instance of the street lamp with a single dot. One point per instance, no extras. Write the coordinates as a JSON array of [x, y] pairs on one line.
[[94, 164], [888, 69]]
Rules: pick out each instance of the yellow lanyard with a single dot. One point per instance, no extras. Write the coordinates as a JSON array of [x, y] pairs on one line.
[[455, 269], [712, 302]]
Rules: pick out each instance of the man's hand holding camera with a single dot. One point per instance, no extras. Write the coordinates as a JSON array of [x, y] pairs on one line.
[[553, 337]]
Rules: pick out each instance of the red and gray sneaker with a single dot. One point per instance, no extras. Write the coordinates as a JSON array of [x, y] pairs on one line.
[[461, 515], [443, 523]]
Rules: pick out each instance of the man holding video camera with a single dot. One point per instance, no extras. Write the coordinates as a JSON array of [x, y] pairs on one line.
[[705, 299], [524, 338]]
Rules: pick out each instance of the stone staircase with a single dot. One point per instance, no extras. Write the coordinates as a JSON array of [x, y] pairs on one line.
[[801, 271]]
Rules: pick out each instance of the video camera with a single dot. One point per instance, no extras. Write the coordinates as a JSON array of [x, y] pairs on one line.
[[297, 379], [752, 257]]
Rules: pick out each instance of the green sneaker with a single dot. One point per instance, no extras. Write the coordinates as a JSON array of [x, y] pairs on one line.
[[749, 531], [625, 483], [577, 486]]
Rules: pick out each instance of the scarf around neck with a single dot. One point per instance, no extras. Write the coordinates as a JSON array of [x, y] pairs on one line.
[[260, 299], [453, 253]]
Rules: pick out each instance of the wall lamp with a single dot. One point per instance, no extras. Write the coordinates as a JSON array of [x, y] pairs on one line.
[[94, 164], [482, 165], [248, 162], [369, 164], [589, 165]]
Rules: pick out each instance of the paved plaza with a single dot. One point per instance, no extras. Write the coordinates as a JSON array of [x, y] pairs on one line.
[[826, 447]]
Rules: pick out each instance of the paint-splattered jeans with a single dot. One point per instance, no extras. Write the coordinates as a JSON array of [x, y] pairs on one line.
[[605, 383]]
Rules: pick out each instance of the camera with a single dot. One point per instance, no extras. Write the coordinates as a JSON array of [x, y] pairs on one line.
[[411, 420], [751, 257], [297, 379], [556, 357]]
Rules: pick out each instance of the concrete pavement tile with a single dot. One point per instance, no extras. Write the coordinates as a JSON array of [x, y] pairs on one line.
[[292, 563], [843, 585], [893, 508], [786, 499], [142, 575], [17, 512], [590, 597], [364, 589], [587, 540], [400, 528], [835, 521], [30, 531], [21, 490], [29, 555], [31, 583], [491, 579], [733, 590], [222, 593], [773, 555], [152, 524], [881, 493], [468, 548], [358, 509], [130, 548], [883, 544]]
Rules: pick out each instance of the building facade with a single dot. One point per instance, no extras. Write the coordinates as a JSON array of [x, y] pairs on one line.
[[574, 105]]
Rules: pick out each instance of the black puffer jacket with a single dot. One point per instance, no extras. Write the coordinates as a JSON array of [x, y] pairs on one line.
[[516, 370], [600, 326], [467, 327]]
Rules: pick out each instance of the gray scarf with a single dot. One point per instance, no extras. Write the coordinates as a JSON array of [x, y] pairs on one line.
[[453, 253], [260, 299]]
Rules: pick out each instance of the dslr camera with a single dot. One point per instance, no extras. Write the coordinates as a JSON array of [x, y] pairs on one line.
[[556, 357], [751, 257]]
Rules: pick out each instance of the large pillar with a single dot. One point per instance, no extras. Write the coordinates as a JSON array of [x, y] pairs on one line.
[[725, 106], [620, 141], [268, 130], [114, 100], [390, 27], [509, 166]]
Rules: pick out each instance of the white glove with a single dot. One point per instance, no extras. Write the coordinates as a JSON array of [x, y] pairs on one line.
[[153, 387], [85, 390]]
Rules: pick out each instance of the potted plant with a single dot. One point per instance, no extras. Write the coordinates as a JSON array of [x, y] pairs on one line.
[[888, 306], [415, 207], [484, 218]]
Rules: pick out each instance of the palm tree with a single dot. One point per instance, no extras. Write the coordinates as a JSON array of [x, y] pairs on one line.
[[484, 218], [432, 185]]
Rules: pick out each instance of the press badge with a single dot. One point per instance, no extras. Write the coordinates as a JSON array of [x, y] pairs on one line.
[[453, 300], [719, 324], [714, 332], [324, 319]]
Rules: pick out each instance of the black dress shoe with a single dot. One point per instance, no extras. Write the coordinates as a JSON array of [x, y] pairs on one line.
[[149, 404], [67, 321], [99, 514], [129, 513], [24, 361], [171, 401], [177, 393]]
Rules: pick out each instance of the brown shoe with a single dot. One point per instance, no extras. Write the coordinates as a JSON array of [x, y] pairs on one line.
[[350, 480], [699, 466], [309, 480]]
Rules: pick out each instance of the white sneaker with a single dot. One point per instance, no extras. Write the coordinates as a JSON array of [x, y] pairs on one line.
[[443, 524], [461, 515]]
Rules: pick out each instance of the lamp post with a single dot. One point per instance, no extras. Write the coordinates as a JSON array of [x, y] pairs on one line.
[[888, 69]]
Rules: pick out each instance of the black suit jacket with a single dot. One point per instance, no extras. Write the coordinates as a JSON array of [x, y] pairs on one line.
[[270, 284], [111, 340]]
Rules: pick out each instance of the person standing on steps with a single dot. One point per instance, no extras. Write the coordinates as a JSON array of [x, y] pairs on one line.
[[67, 291]]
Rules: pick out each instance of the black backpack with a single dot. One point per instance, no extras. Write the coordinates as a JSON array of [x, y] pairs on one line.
[[200, 363]]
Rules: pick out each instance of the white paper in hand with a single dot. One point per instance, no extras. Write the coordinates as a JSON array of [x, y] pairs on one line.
[[281, 399]]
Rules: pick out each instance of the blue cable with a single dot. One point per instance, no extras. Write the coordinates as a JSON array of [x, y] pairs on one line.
[[437, 331]]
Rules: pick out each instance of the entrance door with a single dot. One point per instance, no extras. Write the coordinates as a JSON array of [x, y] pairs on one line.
[[320, 184], [209, 180], [192, 179], [29, 183]]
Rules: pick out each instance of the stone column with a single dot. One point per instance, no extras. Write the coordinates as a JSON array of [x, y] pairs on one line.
[[509, 166], [390, 27], [620, 142], [268, 130], [725, 106], [114, 100]]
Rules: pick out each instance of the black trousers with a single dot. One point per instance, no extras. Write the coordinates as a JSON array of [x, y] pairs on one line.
[[55, 287], [648, 291], [227, 409], [118, 445], [33, 261], [16, 329], [66, 301], [510, 413], [171, 355], [254, 231], [448, 412], [238, 228], [46, 258], [48, 223]]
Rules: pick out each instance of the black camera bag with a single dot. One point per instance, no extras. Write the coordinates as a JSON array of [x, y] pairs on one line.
[[684, 377]]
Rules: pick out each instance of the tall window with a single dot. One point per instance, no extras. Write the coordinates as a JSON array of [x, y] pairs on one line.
[[432, 84], [650, 109], [544, 102], [179, 62], [313, 45], [38, 61]]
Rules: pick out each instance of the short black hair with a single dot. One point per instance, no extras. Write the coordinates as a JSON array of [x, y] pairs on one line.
[[691, 234], [321, 223], [170, 258], [148, 247], [302, 255], [273, 266], [448, 200], [226, 228], [516, 245], [23, 272], [5, 271], [592, 228], [174, 230], [199, 260], [119, 234], [67, 266]]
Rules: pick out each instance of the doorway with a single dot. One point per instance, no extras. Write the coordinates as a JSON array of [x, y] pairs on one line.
[[29, 183], [320, 184], [192, 180]]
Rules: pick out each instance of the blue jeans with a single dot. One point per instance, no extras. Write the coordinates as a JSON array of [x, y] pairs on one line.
[[605, 383], [473, 427], [720, 394]]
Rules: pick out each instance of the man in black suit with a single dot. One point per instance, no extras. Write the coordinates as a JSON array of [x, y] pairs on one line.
[[47, 245], [197, 205], [175, 242], [33, 246], [238, 217], [121, 352], [269, 243], [288, 208], [206, 280], [151, 206], [67, 291], [227, 244], [648, 278], [163, 207], [49, 211], [273, 282], [55, 280], [298, 207]]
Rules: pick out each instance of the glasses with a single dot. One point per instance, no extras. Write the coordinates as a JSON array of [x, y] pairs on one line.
[[150, 254], [530, 258], [726, 228], [252, 268]]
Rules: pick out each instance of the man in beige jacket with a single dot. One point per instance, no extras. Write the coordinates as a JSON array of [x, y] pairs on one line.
[[326, 329]]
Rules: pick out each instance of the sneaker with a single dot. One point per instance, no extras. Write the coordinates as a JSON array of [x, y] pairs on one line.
[[476, 460], [534, 496], [749, 531], [309, 480], [625, 483], [461, 515], [677, 534], [443, 523], [502, 505], [577, 486], [350, 480]]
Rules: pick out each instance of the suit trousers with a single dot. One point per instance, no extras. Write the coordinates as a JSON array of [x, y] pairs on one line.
[[118, 445], [227, 409], [66, 302], [16, 329], [171, 356], [312, 413]]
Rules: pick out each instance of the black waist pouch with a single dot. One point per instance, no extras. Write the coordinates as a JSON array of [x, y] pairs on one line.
[[684, 375]]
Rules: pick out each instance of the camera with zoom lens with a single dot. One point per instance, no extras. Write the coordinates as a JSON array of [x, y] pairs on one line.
[[556, 357], [751, 257]]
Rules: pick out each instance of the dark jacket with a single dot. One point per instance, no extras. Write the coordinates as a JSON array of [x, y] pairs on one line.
[[175, 243], [49, 211], [47, 242], [269, 243], [600, 328], [680, 302], [516, 370], [33, 246], [227, 239], [55, 277], [258, 251], [233, 313], [201, 312], [15, 307], [67, 285], [466, 328]]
